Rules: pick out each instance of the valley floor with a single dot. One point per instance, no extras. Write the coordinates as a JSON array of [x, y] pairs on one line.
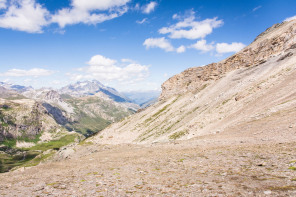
[[231, 163]]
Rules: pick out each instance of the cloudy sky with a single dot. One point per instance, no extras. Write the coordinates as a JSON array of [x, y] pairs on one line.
[[126, 44]]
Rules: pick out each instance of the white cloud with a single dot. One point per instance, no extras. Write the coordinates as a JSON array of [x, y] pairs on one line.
[[31, 17], [3, 4], [150, 7], [105, 69], [100, 60], [257, 8], [98, 4], [202, 46], [227, 48], [290, 18], [190, 29], [83, 14], [141, 21], [24, 15], [162, 43], [35, 72], [181, 49]]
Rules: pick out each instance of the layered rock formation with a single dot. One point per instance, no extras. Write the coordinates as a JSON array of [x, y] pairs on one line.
[[276, 40]]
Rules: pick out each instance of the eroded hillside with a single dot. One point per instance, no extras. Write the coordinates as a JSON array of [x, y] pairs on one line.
[[254, 84]]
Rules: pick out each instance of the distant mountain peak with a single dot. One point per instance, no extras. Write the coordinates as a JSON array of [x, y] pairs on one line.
[[18, 88], [87, 88]]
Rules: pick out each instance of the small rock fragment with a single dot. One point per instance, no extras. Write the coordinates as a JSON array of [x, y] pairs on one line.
[[268, 192]]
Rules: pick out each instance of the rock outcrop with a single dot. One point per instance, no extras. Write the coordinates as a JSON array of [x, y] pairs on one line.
[[276, 40], [24, 119]]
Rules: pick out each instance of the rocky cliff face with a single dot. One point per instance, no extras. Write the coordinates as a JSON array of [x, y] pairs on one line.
[[24, 118], [278, 39]]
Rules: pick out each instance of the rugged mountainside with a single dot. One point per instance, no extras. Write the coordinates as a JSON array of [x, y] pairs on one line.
[[28, 133], [42, 120], [85, 107], [254, 84], [238, 119], [25, 118], [276, 40]]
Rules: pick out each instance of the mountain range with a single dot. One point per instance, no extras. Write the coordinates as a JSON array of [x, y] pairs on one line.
[[32, 116], [227, 128], [86, 107]]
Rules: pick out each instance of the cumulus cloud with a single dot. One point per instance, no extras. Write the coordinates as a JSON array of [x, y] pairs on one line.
[[31, 17], [189, 28], [106, 69], [150, 7], [162, 43], [35, 72], [202, 45], [87, 12], [181, 49], [24, 15], [290, 18], [228, 48]]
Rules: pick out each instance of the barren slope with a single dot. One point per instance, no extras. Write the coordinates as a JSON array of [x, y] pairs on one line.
[[256, 83]]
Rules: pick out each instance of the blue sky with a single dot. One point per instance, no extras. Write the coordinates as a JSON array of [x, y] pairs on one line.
[[126, 44]]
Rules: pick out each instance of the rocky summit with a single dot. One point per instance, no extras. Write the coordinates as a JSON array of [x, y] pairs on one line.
[[224, 129]]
